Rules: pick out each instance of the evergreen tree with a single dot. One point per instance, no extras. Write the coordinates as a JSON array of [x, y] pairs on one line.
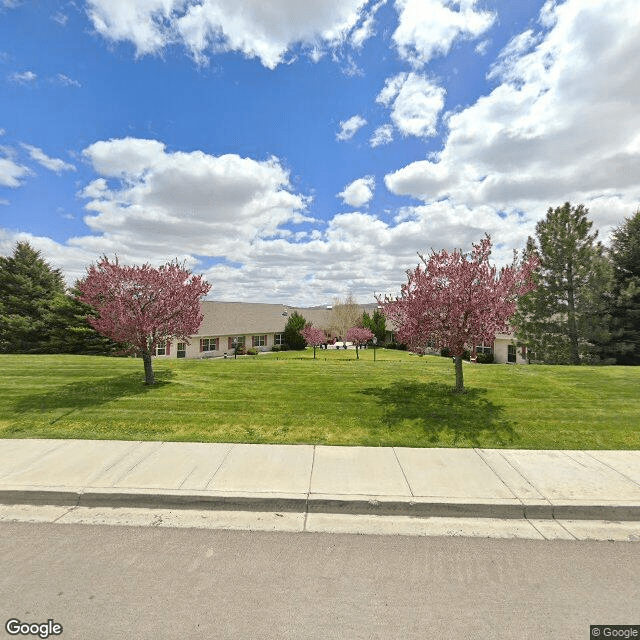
[[376, 324], [292, 336], [564, 319], [625, 301], [37, 315], [70, 331], [29, 289]]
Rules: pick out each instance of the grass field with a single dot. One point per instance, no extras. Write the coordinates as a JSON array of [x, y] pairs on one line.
[[399, 400]]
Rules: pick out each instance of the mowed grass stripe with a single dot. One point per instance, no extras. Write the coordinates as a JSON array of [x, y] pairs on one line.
[[399, 400]]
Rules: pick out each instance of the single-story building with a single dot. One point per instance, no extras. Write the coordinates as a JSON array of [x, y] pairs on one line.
[[261, 326]]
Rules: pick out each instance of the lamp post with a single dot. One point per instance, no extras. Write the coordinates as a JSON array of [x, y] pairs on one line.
[[375, 342], [234, 344]]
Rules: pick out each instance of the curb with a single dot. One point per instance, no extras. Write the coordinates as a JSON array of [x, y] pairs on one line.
[[304, 503]]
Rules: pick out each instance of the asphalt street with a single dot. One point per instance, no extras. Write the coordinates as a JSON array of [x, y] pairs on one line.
[[148, 582]]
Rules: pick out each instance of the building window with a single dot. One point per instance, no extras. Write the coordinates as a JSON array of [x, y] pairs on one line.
[[240, 341], [162, 348], [208, 344], [483, 348], [511, 353], [181, 351], [278, 339], [259, 341]]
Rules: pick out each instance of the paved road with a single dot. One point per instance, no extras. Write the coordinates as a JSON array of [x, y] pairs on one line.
[[145, 582]]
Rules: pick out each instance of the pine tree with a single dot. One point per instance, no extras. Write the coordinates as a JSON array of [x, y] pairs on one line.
[[70, 332], [564, 319], [376, 324], [37, 315], [625, 302], [29, 290], [292, 337]]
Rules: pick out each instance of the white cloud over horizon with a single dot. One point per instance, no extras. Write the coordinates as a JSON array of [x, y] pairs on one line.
[[558, 121], [556, 128]]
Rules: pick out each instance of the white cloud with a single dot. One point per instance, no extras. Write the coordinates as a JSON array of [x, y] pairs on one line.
[[67, 81], [53, 164], [27, 77], [359, 192], [348, 128], [11, 172], [60, 18], [415, 103], [149, 199], [562, 125], [382, 135], [366, 28], [263, 30], [482, 47], [427, 28]]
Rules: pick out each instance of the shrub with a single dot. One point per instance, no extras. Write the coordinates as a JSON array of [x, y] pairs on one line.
[[395, 345], [253, 351], [485, 358]]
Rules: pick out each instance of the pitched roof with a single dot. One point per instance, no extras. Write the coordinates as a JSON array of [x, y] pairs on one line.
[[247, 318]]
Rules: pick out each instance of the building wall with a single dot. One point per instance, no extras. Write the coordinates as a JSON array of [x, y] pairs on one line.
[[193, 349], [501, 350]]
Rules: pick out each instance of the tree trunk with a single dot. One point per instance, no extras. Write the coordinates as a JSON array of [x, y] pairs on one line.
[[459, 381], [357, 356], [149, 378]]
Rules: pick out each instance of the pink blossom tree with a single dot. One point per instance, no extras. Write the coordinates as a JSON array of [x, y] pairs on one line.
[[457, 300], [359, 336], [143, 306], [313, 336]]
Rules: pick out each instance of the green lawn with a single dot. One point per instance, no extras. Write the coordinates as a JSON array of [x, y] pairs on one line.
[[399, 400]]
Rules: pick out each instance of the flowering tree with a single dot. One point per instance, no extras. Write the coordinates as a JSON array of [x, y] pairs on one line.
[[143, 306], [458, 301], [313, 337], [358, 335]]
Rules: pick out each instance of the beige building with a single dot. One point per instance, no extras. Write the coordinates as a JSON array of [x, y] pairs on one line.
[[253, 325], [261, 326]]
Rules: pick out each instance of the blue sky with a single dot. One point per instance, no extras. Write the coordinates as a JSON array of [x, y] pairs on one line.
[[296, 151]]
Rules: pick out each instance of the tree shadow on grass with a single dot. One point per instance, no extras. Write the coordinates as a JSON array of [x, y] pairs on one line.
[[62, 401], [439, 417]]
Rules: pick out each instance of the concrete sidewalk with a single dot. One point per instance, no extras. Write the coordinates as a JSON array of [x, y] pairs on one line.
[[463, 483]]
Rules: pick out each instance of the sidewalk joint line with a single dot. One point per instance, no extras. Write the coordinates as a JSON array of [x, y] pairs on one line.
[[606, 464], [529, 482], [224, 459], [66, 513], [188, 475], [565, 528], [403, 473], [144, 457], [306, 502], [134, 446], [582, 464], [513, 493]]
